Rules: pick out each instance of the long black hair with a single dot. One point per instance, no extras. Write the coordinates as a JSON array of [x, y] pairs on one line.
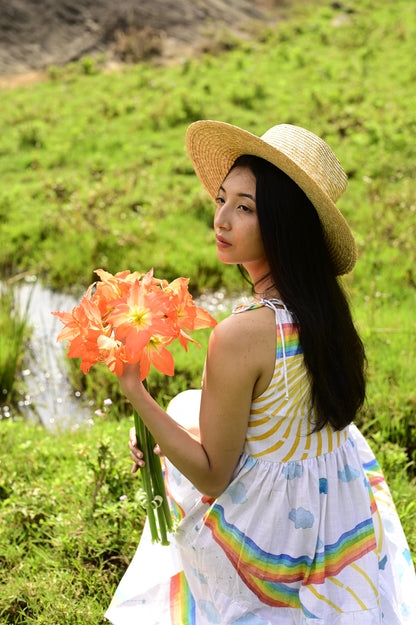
[[302, 271]]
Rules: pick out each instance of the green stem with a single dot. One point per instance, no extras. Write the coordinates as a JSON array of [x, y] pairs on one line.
[[159, 486], [146, 476], [162, 526], [153, 484]]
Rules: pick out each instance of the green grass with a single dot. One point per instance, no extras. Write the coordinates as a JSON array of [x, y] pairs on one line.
[[13, 333], [94, 174], [69, 521], [94, 168]]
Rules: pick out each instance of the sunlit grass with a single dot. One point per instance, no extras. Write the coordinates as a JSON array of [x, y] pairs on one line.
[[94, 174]]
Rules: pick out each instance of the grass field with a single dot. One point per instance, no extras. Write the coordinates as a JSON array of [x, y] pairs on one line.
[[94, 174]]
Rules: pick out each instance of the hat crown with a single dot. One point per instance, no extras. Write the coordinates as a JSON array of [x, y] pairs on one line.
[[214, 146], [312, 155]]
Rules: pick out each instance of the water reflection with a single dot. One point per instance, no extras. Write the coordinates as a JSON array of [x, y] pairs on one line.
[[49, 395]]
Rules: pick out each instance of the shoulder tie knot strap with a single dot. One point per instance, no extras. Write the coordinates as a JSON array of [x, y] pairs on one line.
[[274, 304]]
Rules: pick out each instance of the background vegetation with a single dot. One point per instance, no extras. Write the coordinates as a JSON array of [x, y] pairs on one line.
[[94, 174]]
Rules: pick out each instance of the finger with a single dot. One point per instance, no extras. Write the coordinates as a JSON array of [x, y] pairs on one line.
[[135, 467], [136, 455], [158, 451], [132, 436], [137, 459]]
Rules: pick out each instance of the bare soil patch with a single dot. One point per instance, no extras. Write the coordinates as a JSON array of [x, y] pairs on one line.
[[36, 34]]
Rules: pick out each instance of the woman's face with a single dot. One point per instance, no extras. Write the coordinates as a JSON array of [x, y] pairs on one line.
[[236, 224]]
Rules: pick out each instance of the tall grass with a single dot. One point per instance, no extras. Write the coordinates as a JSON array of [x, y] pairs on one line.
[[13, 332]]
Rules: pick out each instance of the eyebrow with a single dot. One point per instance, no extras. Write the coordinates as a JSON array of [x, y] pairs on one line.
[[241, 194]]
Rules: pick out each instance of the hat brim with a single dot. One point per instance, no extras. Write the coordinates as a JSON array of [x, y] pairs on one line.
[[214, 146]]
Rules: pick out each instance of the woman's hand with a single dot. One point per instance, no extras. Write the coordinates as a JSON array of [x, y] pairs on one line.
[[130, 380], [136, 453]]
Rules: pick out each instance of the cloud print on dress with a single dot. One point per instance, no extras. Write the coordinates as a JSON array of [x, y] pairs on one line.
[[303, 519], [348, 474], [210, 611], [323, 486], [199, 576], [176, 475], [292, 470], [237, 492]]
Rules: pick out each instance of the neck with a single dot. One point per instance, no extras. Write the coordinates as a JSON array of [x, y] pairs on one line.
[[262, 280], [263, 291]]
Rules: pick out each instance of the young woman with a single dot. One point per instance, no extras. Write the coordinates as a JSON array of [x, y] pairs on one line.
[[285, 516]]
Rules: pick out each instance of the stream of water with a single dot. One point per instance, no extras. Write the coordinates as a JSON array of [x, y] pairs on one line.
[[49, 396]]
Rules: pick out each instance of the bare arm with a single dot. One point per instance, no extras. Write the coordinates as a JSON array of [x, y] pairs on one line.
[[234, 366]]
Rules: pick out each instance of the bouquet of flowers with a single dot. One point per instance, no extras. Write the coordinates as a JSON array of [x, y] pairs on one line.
[[130, 318]]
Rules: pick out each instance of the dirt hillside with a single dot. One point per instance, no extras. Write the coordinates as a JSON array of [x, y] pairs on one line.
[[35, 34]]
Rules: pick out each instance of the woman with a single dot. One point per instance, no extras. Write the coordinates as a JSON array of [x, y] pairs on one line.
[[285, 517]]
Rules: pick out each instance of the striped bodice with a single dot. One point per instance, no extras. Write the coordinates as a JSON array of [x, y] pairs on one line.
[[281, 419]]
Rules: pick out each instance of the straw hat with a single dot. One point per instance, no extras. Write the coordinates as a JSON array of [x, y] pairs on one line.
[[308, 160]]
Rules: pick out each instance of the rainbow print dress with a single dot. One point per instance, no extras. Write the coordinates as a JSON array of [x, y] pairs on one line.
[[306, 533]]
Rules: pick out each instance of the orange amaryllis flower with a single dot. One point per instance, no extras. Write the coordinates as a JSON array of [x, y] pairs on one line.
[[184, 315], [156, 354], [82, 327], [142, 315], [112, 352], [132, 317], [111, 288]]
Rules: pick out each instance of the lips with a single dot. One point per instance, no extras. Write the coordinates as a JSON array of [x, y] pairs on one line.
[[222, 243]]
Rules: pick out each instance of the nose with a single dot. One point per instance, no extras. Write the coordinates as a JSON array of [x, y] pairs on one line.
[[221, 219]]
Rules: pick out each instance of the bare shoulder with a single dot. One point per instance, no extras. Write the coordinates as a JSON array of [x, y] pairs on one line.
[[244, 344], [248, 324], [251, 329]]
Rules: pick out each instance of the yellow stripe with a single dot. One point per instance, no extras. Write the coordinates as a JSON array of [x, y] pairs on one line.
[[319, 439], [336, 581], [358, 600], [364, 574], [261, 437], [338, 438], [329, 434], [380, 533], [322, 598], [253, 424], [295, 444], [269, 450], [292, 422], [386, 500], [308, 437]]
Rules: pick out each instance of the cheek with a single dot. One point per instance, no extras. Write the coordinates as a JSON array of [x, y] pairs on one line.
[[257, 236]]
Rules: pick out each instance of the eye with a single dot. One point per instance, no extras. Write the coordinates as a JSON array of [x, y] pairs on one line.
[[219, 200], [244, 209]]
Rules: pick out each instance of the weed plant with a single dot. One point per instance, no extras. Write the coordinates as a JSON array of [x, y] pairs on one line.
[[13, 334], [94, 174]]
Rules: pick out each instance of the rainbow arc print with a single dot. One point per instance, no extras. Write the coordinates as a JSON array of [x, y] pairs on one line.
[[182, 603], [292, 344], [268, 575]]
